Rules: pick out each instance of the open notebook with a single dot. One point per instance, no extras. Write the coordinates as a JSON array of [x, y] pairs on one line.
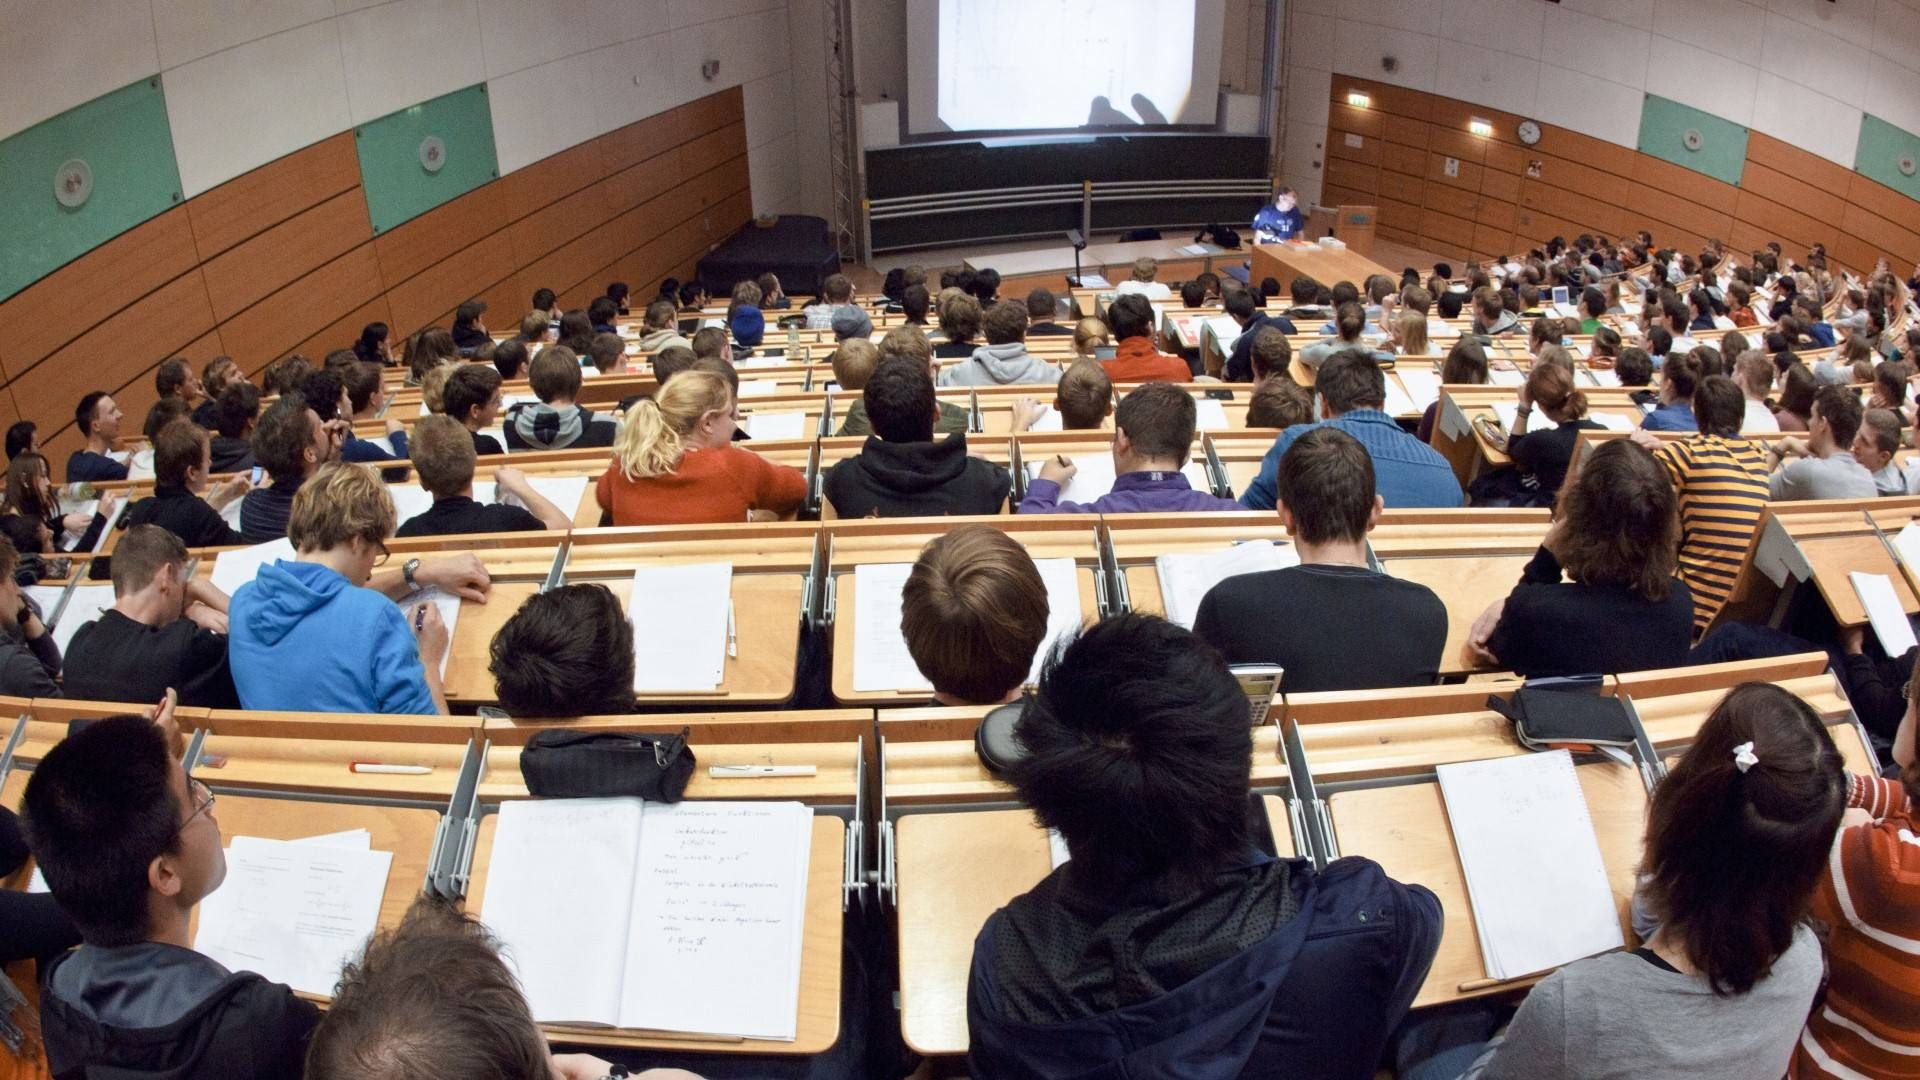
[[1093, 476], [684, 918]]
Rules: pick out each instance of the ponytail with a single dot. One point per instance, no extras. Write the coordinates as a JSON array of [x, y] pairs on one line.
[[653, 439]]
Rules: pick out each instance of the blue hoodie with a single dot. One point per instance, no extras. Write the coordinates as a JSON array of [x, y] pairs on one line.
[[300, 638]]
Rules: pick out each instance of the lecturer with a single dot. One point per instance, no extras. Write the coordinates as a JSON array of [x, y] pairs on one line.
[[1280, 221]]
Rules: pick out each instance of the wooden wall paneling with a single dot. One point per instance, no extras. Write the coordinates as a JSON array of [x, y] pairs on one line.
[[1406, 160], [710, 113], [559, 223], [1685, 185], [1882, 200], [721, 182], [256, 201], [277, 324], [1490, 242], [1404, 130], [1500, 186], [137, 395], [1352, 174], [1447, 142], [1793, 192], [417, 246], [418, 300], [625, 147], [66, 304], [567, 267], [1444, 230], [282, 253], [1598, 184], [1395, 214], [1505, 158], [1468, 172], [1789, 225], [1368, 122], [1494, 213], [1401, 187], [133, 340], [723, 219], [550, 179], [1368, 152], [1850, 251], [714, 149], [641, 181], [1898, 241], [345, 330], [1451, 201]]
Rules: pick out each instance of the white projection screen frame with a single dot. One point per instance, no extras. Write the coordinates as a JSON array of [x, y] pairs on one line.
[[1000, 66]]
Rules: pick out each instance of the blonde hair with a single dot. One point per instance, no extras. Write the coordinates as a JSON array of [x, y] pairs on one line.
[[1413, 333], [654, 437], [339, 502], [1087, 333], [433, 387]]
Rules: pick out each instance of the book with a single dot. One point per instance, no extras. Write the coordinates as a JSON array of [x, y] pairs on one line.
[[686, 918]]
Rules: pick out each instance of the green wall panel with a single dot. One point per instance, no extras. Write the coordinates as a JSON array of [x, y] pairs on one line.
[[1878, 158], [1664, 124], [126, 143], [398, 182]]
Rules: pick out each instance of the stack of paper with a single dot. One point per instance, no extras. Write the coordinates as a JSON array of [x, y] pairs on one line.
[[777, 425], [1602, 376], [1224, 330], [1532, 912], [565, 492], [758, 388], [685, 918], [232, 569], [881, 661], [1093, 477], [1185, 580], [1884, 612], [1209, 415], [1505, 374], [1612, 421], [1048, 420], [295, 910], [693, 655]]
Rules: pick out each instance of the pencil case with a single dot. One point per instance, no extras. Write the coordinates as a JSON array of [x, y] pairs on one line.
[[1546, 719], [563, 764]]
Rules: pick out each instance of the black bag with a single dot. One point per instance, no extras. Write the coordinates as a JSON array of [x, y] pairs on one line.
[[1550, 719], [994, 740], [559, 763]]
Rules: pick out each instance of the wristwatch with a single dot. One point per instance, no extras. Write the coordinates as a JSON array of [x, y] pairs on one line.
[[407, 571]]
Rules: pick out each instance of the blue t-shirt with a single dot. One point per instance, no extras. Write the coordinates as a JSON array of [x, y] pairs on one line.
[[1284, 224], [1407, 473], [1677, 416]]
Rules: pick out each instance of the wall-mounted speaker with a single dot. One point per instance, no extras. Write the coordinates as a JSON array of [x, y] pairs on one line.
[[1693, 140]]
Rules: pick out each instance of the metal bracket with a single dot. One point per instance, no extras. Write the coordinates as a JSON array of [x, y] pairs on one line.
[[445, 869], [1321, 845], [66, 594], [195, 746], [1652, 768], [853, 880], [976, 422], [13, 743], [557, 573], [1216, 469]]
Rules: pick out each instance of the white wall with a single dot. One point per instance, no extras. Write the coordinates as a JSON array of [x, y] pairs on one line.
[[1801, 71], [248, 81]]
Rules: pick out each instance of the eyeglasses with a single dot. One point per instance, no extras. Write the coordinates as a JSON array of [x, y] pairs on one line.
[[202, 803]]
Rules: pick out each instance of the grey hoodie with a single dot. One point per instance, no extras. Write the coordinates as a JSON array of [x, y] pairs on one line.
[[999, 365], [655, 340]]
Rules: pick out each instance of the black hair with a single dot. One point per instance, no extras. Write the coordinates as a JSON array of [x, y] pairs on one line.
[[566, 652], [510, 358], [602, 310], [900, 400], [83, 412], [281, 438], [322, 391], [470, 387], [19, 437], [1351, 379], [1130, 315], [1239, 304], [239, 404], [544, 299]]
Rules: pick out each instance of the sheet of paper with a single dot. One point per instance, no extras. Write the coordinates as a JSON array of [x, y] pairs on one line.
[[1906, 543], [1399, 402], [722, 890], [232, 569], [355, 839], [83, 607], [384, 442], [1440, 329], [1509, 414], [881, 661], [1093, 477], [1194, 249], [1506, 376], [140, 464], [1422, 384], [1063, 607], [1629, 329], [560, 899], [230, 513], [1889, 620], [1533, 913], [293, 912], [1049, 420], [1094, 281], [778, 425], [1209, 414], [693, 656], [1057, 848], [565, 492], [763, 362], [411, 500], [1602, 376], [1224, 330], [758, 388], [1185, 579], [1612, 421], [446, 603]]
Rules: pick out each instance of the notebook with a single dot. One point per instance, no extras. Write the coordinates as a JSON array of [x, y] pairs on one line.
[[1533, 913], [295, 911], [1185, 580], [1884, 613], [684, 918]]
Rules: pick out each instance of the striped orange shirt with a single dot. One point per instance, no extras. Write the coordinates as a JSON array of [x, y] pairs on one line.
[[1723, 491], [1868, 1026]]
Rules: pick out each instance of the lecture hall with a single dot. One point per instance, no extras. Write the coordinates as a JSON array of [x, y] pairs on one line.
[[1398, 557]]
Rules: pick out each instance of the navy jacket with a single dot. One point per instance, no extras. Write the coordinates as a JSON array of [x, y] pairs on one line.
[[1317, 997], [1240, 361]]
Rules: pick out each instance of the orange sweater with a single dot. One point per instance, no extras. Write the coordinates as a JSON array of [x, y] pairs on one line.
[[1136, 361], [1869, 1023], [710, 486]]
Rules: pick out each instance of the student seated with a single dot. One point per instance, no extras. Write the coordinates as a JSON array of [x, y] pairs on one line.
[[675, 463], [220, 373], [366, 397], [98, 418], [164, 631], [1490, 315], [1153, 435], [851, 322], [30, 493], [973, 613], [237, 409], [129, 844], [1866, 900], [1004, 358], [1874, 447], [1242, 309], [1171, 943], [1042, 308], [660, 328], [1271, 356], [1679, 376], [182, 462], [1326, 500], [1822, 466], [1279, 403], [1755, 374], [1353, 391], [1090, 338], [469, 333], [1543, 454], [1737, 837], [902, 471], [29, 657], [322, 633], [567, 652], [960, 318], [443, 456], [835, 293], [433, 998], [1140, 282], [853, 364], [1350, 322], [1136, 359], [1083, 397], [555, 422], [1622, 607], [290, 443], [472, 396], [1722, 482], [749, 329]]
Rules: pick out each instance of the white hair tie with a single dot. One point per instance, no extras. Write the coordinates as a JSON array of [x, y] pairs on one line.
[[1743, 756]]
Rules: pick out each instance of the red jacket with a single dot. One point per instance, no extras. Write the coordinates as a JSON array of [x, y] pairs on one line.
[[710, 486], [1136, 361]]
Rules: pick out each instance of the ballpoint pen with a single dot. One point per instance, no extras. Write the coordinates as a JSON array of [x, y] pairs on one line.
[[733, 637]]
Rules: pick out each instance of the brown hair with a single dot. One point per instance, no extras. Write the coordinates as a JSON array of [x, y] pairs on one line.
[[854, 361], [23, 495], [179, 447], [1084, 396], [140, 554], [428, 1000], [904, 341], [285, 375], [960, 318], [443, 455], [1326, 483], [1279, 403], [1413, 332], [1466, 364], [973, 612], [1005, 323], [1271, 354], [1550, 386], [428, 349], [1159, 420], [339, 503], [1622, 521], [1732, 856], [555, 373]]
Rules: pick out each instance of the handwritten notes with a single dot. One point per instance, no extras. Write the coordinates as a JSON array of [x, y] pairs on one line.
[[881, 661], [292, 911]]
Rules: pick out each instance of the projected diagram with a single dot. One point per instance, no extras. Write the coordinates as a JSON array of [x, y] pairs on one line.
[[1037, 64]]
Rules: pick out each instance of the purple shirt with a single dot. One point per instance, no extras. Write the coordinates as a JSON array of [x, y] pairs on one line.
[[1133, 493]]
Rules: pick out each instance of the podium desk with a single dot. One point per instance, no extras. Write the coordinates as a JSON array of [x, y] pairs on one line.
[[955, 870], [819, 1019], [853, 542], [1287, 260], [1404, 828]]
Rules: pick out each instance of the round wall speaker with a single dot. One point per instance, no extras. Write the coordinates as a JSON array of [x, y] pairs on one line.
[[73, 183], [1693, 140], [433, 153], [1906, 164]]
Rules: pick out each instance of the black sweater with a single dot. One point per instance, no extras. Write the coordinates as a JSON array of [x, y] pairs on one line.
[[1544, 454], [917, 479], [1551, 627]]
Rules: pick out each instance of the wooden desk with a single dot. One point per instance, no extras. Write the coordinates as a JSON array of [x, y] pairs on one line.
[[1673, 704], [1822, 541], [1467, 585], [1286, 261], [955, 870], [1404, 828], [312, 752], [819, 1026], [1351, 736]]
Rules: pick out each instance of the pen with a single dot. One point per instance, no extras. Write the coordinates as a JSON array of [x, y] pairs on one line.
[[395, 770], [420, 618], [733, 637], [747, 772]]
